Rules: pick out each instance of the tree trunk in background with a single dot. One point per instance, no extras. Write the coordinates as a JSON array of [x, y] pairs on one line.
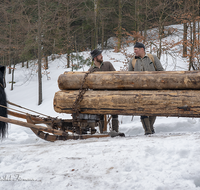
[[119, 31], [10, 38], [12, 82], [9, 53], [145, 22], [194, 44], [136, 16], [68, 35], [185, 40], [102, 34], [92, 39], [75, 44], [46, 62], [191, 49], [83, 37], [160, 39], [137, 19], [194, 33], [39, 57], [96, 10], [68, 60], [198, 31]]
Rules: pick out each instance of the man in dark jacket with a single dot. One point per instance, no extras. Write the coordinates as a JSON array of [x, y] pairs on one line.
[[99, 65], [145, 62]]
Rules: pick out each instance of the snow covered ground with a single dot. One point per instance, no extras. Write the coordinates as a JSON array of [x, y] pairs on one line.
[[167, 160]]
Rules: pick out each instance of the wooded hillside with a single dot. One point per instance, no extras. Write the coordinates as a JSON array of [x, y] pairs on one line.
[[65, 26]]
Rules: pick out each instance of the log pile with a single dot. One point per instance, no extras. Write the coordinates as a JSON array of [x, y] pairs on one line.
[[163, 93]]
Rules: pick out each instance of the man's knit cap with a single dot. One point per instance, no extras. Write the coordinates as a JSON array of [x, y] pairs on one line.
[[139, 45]]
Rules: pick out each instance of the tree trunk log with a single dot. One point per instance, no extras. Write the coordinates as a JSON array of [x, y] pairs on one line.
[[148, 80], [176, 103]]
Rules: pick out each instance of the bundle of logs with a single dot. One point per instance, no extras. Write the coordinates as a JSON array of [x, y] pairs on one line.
[[163, 93]]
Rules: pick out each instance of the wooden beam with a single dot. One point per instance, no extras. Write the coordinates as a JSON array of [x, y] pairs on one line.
[[30, 125], [147, 80], [24, 116], [176, 103]]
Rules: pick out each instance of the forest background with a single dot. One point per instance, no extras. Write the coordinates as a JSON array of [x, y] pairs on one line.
[[36, 29]]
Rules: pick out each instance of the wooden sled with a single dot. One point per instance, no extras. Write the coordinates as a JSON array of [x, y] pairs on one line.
[[164, 93]]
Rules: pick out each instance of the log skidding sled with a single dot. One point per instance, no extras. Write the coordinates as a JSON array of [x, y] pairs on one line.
[[163, 93]]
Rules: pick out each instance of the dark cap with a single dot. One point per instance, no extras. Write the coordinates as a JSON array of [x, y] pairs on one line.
[[139, 45], [95, 53]]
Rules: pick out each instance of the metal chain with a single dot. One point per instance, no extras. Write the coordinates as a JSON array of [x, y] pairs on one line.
[[79, 98]]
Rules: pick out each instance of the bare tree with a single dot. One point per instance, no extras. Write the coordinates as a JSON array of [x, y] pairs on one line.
[[39, 57]]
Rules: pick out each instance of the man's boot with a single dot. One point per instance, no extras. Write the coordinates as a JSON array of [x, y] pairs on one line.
[[152, 121], [101, 125], [115, 123], [146, 125]]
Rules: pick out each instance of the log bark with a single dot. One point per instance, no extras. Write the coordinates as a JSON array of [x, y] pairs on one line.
[[148, 80], [176, 103]]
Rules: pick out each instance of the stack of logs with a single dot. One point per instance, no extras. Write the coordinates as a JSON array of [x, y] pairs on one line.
[[163, 93]]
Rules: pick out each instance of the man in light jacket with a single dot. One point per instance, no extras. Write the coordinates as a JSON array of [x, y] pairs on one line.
[[145, 62]]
